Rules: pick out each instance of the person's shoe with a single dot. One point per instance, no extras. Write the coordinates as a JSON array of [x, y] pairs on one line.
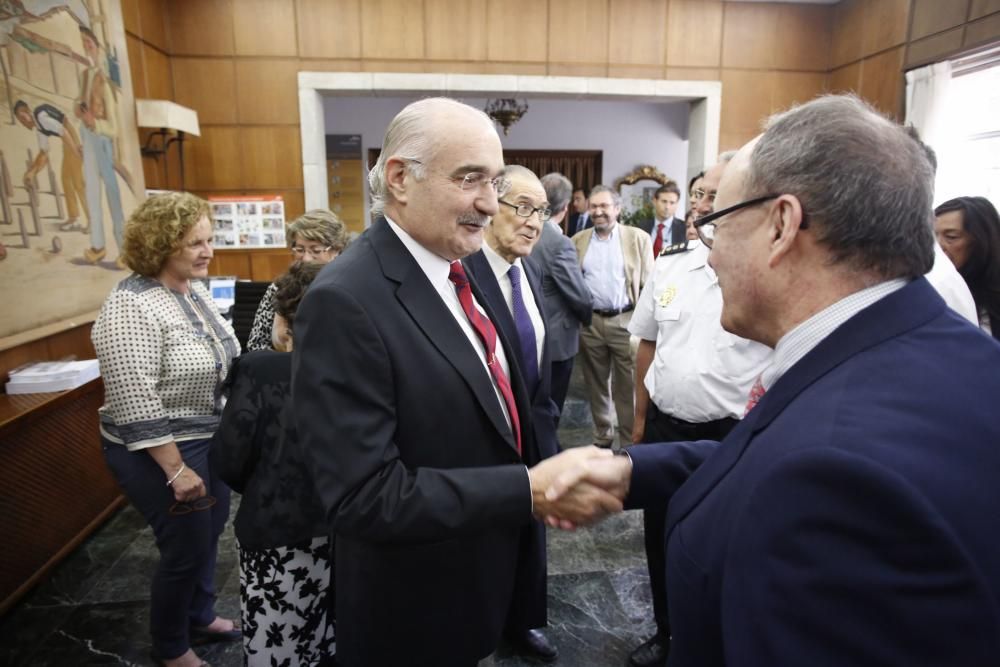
[[94, 255], [651, 653], [534, 644], [202, 636], [70, 225]]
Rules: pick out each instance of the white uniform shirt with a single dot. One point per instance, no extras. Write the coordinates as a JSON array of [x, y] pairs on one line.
[[501, 271], [952, 287], [700, 372]]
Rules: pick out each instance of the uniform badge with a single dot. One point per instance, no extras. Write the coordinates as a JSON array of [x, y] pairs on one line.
[[674, 249], [667, 295]]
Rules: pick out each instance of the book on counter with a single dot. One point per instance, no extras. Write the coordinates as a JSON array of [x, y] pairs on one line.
[[48, 376]]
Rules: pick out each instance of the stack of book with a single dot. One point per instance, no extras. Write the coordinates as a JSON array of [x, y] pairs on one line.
[[47, 376]]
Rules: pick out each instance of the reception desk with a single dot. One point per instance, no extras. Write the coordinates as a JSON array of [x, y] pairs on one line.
[[54, 487]]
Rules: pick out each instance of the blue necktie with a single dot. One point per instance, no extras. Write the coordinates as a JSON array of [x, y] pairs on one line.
[[525, 331]]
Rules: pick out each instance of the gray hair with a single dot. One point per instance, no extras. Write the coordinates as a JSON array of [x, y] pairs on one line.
[[319, 226], [558, 190], [615, 197], [865, 186], [409, 136]]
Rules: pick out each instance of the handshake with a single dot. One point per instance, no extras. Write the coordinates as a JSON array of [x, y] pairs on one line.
[[580, 486]]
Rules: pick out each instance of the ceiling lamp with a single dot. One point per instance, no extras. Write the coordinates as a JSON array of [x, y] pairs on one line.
[[506, 112]]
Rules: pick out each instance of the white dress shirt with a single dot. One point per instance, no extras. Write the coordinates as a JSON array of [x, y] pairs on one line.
[[952, 287], [437, 270], [501, 269], [700, 372]]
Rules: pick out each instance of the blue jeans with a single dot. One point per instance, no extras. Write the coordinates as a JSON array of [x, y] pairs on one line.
[[99, 165], [183, 589]]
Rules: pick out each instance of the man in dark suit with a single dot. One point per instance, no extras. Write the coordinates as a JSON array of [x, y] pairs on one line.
[[579, 219], [410, 410], [512, 286], [568, 303], [850, 518], [665, 229]]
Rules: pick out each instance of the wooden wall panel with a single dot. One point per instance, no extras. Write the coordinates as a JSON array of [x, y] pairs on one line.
[[847, 35], [560, 69], [392, 29], [982, 31], [981, 8], [329, 28], [882, 82], [267, 91], [159, 85], [151, 18], [580, 35], [790, 88], [885, 25], [272, 157], [207, 85], [264, 28], [931, 16], [934, 48], [528, 19], [636, 71], [746, 100], [138, 70], [749, 35], [693, 74], [213, 160], [694, 33], [845, 79], [803, 38], [200, 27], [457, 31], [130, 17], [374, 65], [638, 32], [269, 264], [330, 65], [231, 263]]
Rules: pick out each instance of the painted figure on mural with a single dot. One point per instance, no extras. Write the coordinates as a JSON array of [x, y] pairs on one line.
[[48, 121], [95, 107]]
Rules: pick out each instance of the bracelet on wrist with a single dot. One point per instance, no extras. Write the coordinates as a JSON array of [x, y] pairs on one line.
[[176, 474]]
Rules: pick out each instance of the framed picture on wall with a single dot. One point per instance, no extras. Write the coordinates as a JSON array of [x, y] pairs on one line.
[[249, 222]]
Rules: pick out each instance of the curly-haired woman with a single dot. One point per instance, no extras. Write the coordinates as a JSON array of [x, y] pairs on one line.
[[164, 352]]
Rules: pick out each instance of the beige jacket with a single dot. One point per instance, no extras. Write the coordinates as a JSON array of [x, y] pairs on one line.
[[637, 249]]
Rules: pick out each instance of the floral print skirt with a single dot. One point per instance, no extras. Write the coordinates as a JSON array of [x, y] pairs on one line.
[[287, 603]]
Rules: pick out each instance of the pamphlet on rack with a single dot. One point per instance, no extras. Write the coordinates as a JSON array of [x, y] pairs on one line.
[[48, 376]]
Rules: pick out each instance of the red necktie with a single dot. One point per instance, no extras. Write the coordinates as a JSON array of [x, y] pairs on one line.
[[756, 393], [488, 334], [658, 242]]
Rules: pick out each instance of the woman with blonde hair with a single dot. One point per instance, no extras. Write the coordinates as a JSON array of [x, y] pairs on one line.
[[165, 352]]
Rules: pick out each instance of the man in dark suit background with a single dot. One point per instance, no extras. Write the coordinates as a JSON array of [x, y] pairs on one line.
[[568, 303], [850, 517], [512, 286], [579, 219], [663, 227], [410, 410]]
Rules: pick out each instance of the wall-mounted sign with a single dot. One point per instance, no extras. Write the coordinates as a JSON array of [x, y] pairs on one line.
[[249, 222]]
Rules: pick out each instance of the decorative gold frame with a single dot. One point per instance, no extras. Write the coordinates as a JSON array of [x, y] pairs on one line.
[[644, 172]]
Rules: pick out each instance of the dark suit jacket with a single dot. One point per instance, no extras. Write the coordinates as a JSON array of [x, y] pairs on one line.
[[413, 459], [678, 230], [529, 607], [568, 303], [851, 517], [577, 222]]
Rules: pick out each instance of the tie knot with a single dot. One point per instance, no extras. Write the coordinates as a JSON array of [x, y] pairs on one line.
[[457, 274], [514, 274]]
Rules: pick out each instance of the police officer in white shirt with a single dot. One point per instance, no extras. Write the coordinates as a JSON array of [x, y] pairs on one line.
[[692, 378]]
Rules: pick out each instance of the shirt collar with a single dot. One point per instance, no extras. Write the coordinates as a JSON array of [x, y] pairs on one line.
[[499, 265], [434, 266], [611, 237]]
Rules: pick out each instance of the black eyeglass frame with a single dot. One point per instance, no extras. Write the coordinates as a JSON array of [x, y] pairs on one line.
[[540, 211], [712, 217]]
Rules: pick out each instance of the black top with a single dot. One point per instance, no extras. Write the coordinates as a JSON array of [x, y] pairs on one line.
[[255, 451]]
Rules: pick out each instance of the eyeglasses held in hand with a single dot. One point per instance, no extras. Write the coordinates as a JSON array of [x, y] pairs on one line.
[[197, 505], [527, 210]]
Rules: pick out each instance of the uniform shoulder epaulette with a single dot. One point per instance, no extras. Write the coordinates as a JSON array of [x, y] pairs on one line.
[[674, 249]]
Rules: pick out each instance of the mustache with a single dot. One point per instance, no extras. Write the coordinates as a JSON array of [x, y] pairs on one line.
[[473, 218]]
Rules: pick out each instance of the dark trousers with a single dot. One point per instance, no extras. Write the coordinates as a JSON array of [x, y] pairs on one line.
[[663, 428], [183, 589], [562, 371]]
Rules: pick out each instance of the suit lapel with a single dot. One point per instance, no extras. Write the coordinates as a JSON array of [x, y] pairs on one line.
[[424, 305], [905, 309]]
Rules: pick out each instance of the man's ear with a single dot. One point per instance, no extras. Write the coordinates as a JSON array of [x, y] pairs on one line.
[[786, 221], [395, 178]]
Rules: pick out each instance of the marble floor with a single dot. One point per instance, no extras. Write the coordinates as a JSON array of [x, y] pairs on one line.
[[94, 608]]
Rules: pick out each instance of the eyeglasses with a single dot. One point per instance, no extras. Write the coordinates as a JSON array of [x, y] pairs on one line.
[[474, 180], [527, 210], [197, 505], [315, 250], [707, 226], [698, 194]]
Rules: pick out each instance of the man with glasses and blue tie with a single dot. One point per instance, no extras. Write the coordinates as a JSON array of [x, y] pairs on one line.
[[511, 283], [692, 378], [412, 410]]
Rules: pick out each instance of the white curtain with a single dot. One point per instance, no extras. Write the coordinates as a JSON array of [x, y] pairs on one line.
[[928, 109]]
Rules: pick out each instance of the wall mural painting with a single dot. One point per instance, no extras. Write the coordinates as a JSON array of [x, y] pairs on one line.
[[70, 169]]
